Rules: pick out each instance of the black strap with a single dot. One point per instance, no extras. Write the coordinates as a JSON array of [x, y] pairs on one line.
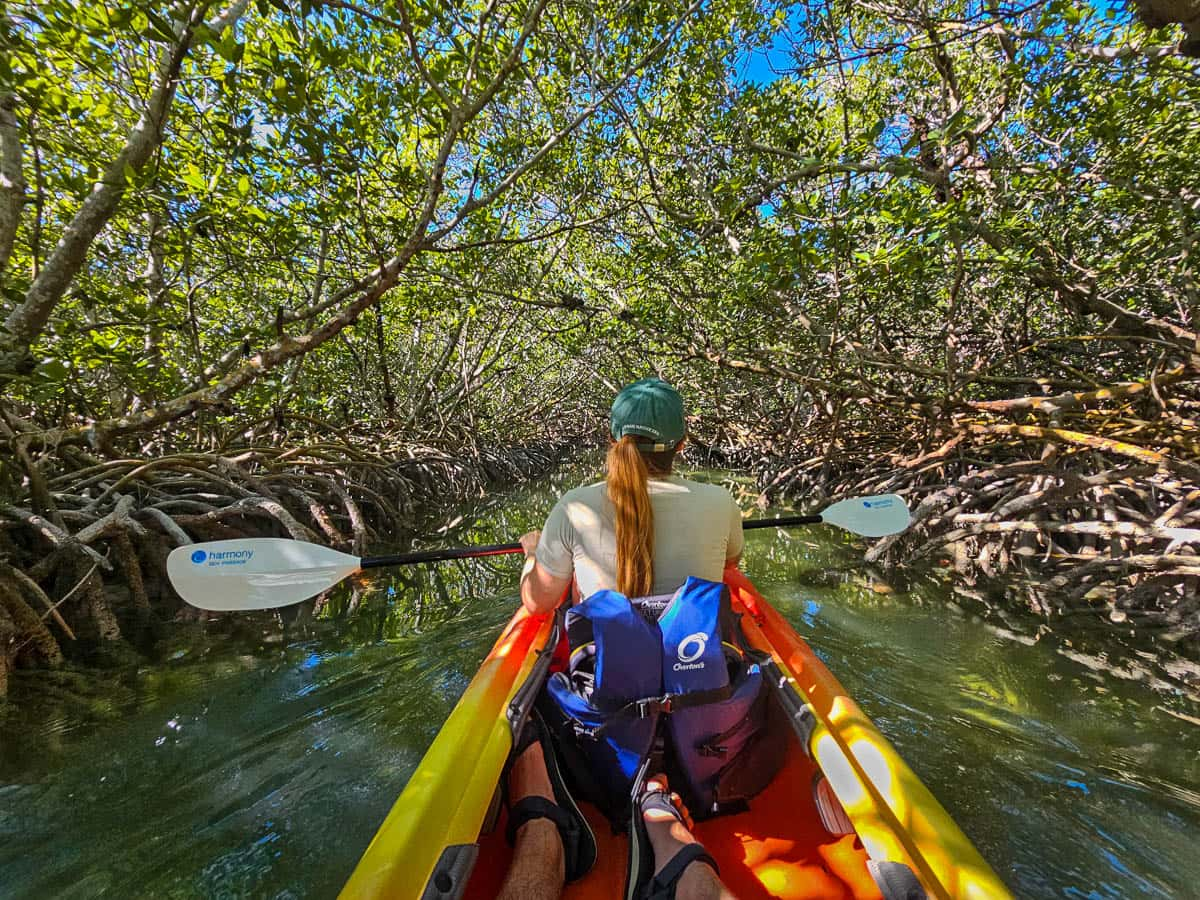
[[700, 698], [667, 703], [530, 734], [663, 885], [739, 636], [718, 746], [530, 808], [660, 800]]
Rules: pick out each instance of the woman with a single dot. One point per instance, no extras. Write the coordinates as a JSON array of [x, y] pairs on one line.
[[641, 532]]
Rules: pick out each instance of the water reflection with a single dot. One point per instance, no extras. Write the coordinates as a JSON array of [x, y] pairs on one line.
[[257, 757], [1055, 761]]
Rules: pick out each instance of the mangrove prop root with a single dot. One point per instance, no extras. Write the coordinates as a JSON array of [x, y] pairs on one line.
[[1073, 511], [28, 626], [104, 621], [8, 632], [127, 557], [115, 520], [32, 587]]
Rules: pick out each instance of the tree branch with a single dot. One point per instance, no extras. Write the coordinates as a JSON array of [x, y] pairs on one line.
[[12, 181], [25, 323]]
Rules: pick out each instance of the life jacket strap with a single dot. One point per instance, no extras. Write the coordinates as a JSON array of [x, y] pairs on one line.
[[664, 705], [699, 698]]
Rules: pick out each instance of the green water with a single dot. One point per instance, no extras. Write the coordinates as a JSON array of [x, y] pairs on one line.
[[255, 761]]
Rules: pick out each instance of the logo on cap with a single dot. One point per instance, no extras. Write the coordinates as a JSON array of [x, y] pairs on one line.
[[199, 556]]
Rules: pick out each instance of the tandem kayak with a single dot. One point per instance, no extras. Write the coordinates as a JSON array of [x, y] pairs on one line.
[[444, 838]]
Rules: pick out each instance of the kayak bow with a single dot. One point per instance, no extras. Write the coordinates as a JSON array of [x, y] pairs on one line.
[[443, 838]]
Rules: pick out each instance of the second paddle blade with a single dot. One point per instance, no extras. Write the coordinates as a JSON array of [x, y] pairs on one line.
[[870, 516], [256, 573]]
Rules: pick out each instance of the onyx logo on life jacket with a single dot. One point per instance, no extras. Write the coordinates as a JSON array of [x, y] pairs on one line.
[[687, 659]]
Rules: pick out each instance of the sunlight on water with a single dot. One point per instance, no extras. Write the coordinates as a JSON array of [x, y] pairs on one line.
[[252, 761]]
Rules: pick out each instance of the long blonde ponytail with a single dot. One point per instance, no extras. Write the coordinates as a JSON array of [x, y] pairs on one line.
[[630, 496]]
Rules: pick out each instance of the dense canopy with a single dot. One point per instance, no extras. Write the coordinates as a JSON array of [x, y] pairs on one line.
[[478, 208]]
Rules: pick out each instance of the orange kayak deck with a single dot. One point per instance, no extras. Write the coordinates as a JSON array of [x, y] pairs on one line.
[[778, 848]]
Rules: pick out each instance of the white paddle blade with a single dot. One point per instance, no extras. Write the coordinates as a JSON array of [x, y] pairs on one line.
[[869, 516], [256, 573]]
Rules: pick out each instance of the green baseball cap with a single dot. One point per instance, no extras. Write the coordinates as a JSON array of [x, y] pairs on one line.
[[652, 409]]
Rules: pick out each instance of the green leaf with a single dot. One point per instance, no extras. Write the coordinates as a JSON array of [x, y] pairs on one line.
[[159, 29], [194, 178], [54, 370]]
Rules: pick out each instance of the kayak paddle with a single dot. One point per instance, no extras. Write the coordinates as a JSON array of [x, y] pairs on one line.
[[263, 573]]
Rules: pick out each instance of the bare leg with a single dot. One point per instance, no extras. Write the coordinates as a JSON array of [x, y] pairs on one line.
[[538, 867], [668, 836]]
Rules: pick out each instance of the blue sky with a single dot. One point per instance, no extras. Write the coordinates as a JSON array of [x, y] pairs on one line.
[[763, 65]]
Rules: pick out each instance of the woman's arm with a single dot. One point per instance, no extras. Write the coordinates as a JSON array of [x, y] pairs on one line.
[[540, 590], [735, 543]]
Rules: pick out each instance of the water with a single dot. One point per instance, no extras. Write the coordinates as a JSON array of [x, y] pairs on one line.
[[252, 761]]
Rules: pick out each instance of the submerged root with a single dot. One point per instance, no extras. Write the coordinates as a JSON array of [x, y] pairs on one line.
[[28, 628], [104, 549], [8, 636]]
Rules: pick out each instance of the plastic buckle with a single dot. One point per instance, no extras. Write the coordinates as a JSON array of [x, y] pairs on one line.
[[653, 705]]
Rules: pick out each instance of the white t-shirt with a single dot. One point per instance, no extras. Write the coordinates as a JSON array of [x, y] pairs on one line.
[[697, 527]]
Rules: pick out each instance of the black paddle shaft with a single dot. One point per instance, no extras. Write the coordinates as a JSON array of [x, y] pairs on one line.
[[784, 522], [424, 556]]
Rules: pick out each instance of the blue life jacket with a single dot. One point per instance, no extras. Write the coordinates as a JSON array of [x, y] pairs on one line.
[[627, 670]]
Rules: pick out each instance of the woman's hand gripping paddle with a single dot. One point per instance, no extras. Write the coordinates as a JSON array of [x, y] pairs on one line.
[[264, 573]]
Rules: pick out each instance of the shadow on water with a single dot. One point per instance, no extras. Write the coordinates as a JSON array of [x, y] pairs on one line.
[[258, 760]]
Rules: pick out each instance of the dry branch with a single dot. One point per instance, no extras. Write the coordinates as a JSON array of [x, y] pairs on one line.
[[33, 588]]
